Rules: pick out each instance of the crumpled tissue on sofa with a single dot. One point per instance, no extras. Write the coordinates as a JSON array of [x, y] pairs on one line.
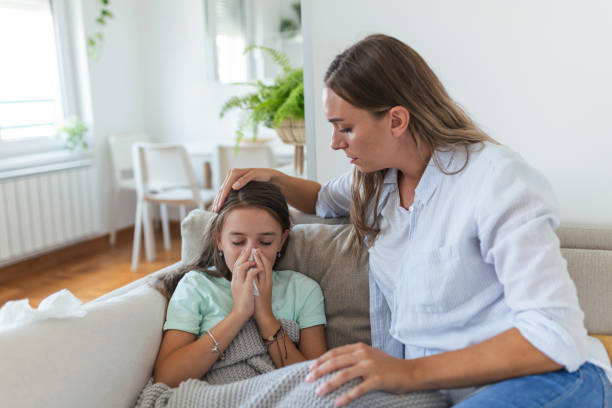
[[60, 305]]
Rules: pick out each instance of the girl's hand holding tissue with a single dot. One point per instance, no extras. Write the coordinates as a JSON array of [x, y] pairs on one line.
[[243, 278], [264, 282]]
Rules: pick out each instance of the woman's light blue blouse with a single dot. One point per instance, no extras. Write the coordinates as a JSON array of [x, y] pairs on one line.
[[479, 256]]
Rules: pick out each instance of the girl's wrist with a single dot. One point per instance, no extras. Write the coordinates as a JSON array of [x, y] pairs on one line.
[[267, 326], [238, 316], [264, 317]]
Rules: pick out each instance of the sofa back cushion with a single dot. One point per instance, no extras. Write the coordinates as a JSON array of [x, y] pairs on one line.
[[319, 251], [588, 251], [591, 271]]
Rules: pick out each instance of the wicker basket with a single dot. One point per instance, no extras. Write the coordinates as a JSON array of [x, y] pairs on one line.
[[292, 132]]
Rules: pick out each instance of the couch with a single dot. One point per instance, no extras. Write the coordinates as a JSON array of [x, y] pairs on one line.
[[105, 358]]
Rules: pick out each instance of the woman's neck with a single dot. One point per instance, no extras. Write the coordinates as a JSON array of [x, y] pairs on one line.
[[411, 162]]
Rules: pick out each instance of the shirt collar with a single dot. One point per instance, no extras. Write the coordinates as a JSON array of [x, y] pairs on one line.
[[390, 177], [432, 176]]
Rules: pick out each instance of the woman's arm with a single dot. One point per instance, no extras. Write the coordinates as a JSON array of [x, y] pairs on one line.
[[504, 356], [300, 193], [181, 356]]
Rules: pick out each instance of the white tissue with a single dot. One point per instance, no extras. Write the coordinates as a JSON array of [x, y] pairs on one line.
[[252, 258], [60, 305]]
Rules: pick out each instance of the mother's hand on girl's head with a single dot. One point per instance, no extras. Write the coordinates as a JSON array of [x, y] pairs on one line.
[[236, 179], [378, 370]]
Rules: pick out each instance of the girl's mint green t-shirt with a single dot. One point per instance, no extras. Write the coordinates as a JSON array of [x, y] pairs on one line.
[[201, 301]]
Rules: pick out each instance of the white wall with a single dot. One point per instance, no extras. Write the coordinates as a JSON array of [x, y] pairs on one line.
[[535, 75], [151, 74], [113, 98], [180, 101]]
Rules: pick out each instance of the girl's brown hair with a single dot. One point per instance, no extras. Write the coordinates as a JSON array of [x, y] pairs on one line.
[[255, 194], [376, 74]]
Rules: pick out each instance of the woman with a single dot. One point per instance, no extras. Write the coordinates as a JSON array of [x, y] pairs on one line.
[[468, 285]]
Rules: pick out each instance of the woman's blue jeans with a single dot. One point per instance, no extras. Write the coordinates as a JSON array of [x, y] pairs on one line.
[[584, 388]]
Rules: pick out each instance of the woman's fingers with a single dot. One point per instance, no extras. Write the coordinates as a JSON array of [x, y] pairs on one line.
[[341, 377], [238, 178], [227, 186], [355, 392], [333, 353], [339, 362], [378, 370]]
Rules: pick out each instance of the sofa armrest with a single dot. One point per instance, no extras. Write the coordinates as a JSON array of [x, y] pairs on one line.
[[103, 359]]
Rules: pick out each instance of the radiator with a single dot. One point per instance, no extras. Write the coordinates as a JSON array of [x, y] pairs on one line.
[[46, 211]]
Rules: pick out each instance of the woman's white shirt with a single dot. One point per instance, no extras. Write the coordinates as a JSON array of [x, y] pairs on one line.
[[394, 224], [475, 256]]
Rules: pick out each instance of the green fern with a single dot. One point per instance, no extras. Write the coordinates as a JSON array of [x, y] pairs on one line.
[[269, 105], [278, 57]]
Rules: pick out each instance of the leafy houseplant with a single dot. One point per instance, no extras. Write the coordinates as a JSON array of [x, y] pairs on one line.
[[73, 131], [276, 106], [94, 42]]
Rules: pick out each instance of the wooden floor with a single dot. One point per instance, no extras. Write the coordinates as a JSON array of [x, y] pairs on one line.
[[89, 269]]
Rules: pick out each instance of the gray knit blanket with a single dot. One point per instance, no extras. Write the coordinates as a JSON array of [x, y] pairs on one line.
[[247, 378]]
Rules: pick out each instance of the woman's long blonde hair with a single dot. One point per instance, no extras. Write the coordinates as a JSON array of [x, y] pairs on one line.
[[376, 74]]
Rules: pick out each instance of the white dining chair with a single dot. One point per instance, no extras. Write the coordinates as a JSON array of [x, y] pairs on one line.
[[225, 158], [164, 176], [120, 147]]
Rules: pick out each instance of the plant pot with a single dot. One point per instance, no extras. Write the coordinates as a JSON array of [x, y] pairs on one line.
[[294, 132]]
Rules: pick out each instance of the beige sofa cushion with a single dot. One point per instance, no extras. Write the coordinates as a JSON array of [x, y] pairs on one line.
[[318, 251], [585, 237], [591, 270]]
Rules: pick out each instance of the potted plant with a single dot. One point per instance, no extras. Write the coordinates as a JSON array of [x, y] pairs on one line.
[[72, 130], [279, 106]]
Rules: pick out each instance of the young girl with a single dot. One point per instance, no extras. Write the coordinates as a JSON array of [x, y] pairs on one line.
[[235, 282]]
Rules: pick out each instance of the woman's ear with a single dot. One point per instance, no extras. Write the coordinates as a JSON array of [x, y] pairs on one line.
[[400, 118]]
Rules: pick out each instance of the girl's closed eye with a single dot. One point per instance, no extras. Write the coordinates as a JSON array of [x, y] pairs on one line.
[[242, 243], [345, 130]]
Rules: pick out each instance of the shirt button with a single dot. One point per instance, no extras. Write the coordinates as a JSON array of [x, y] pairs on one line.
[[411, 208]]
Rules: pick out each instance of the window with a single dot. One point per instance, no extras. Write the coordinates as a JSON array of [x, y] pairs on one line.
[[31, 99], [234, 24]]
